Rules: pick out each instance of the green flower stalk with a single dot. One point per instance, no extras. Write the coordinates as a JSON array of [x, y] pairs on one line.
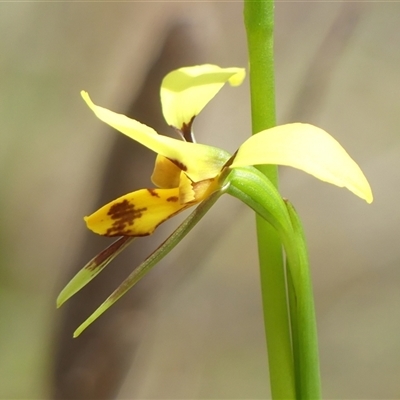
[[280, 328]]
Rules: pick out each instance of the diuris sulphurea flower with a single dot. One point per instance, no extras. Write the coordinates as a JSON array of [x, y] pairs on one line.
[[188, 173]]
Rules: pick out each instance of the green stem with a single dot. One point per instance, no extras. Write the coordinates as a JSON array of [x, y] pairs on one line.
[[259, 23], [254, 189]]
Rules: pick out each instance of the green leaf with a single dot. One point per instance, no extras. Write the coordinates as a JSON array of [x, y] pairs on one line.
[[93, 268], [255, 190], [302, 312]]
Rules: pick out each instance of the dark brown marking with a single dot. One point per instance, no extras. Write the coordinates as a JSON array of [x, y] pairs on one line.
[[124, 214], [186, 131], [153, 192], [181, 166], [173, 198], [230, 161], [107, 253]]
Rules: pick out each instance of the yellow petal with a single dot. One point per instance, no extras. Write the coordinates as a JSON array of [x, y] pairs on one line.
[[136, 214], [165, 174], [187, 194], [197, 160], [308, 148], [186, 91], [193, 192]]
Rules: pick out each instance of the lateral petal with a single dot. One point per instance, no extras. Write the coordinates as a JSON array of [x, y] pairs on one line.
[[194, 192], [165, 174], [136, 214], [308, 148], [199, 161], [186, 91]]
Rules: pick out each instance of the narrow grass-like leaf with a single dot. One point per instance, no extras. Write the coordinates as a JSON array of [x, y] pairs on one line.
[[302, 314], [93, 268], [138, 273]]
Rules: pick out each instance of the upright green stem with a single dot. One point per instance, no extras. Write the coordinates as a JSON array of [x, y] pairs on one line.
[[254, 189], [259, 23]]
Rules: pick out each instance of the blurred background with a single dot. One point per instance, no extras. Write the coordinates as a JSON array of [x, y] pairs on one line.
[[193, 327]]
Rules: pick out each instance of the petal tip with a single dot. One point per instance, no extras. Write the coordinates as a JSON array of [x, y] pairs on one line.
[[238, 78], [86, 220], [369, 198], [363, 188], [87, 99]]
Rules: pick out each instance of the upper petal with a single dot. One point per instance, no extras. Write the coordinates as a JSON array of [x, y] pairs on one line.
[[186, 91], [197, 160], [308, 148], [136, 214]]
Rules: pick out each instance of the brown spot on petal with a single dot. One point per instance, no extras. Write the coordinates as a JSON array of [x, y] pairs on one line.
[[180, 165], [124, 214], [173, 198], [186, 131], [230, 161], [153, 192]]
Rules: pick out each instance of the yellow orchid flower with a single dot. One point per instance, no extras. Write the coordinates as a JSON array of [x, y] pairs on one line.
[[187, 173]]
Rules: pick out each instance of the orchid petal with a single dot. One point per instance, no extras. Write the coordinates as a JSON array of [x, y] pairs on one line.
[[136, 214], [187, 194], [199, 161], [186, 91], [308, 148], [165, 174], [194, 192]]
